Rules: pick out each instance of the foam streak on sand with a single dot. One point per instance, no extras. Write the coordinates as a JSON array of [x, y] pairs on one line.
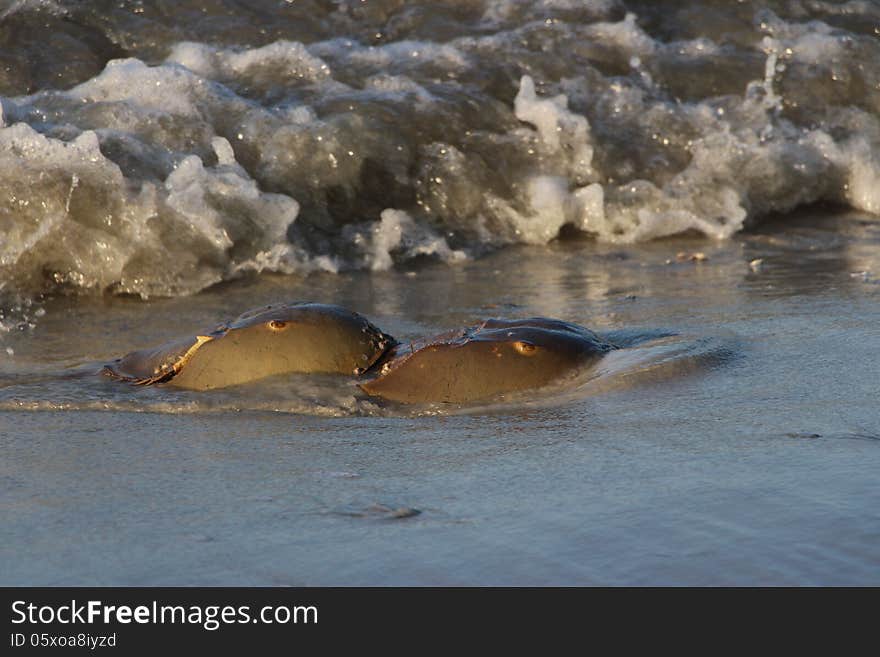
[[163, 165]]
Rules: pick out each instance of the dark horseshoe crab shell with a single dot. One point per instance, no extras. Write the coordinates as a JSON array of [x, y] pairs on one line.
[[274, 339], [495, 357]]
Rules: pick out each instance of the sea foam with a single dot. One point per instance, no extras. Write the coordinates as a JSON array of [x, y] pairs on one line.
[[431, 130]]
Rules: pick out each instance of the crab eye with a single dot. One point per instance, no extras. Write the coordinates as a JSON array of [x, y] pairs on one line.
[[277, 325], [525, 348]]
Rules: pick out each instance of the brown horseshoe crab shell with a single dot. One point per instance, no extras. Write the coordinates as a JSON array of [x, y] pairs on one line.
[[496, 357], [274, 339]]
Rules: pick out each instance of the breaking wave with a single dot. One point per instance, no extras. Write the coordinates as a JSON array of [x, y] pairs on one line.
[[158, 149]]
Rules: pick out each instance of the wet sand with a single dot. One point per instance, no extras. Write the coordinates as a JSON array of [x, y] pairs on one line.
[[756, 468]]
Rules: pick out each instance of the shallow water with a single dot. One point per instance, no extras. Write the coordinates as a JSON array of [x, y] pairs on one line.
[[744, 451]]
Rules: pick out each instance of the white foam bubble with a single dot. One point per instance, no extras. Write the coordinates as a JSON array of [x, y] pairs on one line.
[[78, 217], [406, 54], [625, 34], [170, 89], [400, 84], [281, 60], [558, 127], [589, 212], [33, 5], [223, 150], [397, 232], [549, 200]]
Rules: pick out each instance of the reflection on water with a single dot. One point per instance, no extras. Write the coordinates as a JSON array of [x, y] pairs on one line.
[[649, 290], [645, 357], [732, 440]]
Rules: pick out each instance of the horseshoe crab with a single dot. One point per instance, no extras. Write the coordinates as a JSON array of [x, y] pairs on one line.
[[495, 357], [274, 339]]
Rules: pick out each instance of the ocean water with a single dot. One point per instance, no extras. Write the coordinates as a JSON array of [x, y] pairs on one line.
[[697, 181]]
